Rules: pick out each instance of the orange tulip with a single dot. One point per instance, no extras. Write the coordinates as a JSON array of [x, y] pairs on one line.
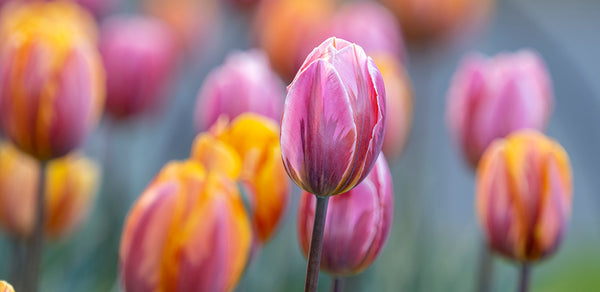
[[188, 231], [524, 195], [6, 287], [248, 150], [399, 106], [51, 77], [71, 185]]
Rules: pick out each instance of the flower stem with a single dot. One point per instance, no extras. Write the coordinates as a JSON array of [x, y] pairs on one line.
[[525, 275], [337, 284], [316, 245], [486, 269], [33, 245]]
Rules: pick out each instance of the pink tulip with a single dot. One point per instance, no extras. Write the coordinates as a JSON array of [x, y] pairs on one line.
[[357, 225], [490, 98], [371, 26], [138, 54], [334, 119], [245, 83]]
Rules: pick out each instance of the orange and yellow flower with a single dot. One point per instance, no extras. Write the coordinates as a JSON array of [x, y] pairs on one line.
[[524, 195], [6, 287], [70, 187]]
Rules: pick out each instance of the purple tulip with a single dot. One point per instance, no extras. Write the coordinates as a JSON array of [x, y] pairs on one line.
[[490, 98], [139, 54], [333, 120], [357, 225], [245, 83]]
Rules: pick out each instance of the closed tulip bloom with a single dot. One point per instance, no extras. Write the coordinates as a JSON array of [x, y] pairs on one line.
[[399, 106], [248, 150], [333, 120], [245, 83], [490, 98], [357, 225], [371, 26], [424, 20], [524, 195], [51, 77], [6, 287], [139, 54], [71, 185], [188, 231], [287, 30]]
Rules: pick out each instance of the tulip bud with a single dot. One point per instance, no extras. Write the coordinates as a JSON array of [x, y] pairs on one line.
[[188, 231], [489, 99], [138, 54], [6, 287], [248, 150], [398, 92], [333, 120], [287, 30], [245, 83], [371, 26], [524, 195], [424, 20], [357, 225], [51, 77], [71, 184]]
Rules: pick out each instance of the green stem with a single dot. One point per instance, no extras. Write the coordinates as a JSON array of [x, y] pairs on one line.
[[316, 245], [337, 284], [33, 244], [525, 275]]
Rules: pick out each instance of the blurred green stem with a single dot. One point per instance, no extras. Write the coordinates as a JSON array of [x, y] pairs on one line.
[[33, 244], [486, 269], [337, 284], [525, 275], [16, 263], [316, 245]]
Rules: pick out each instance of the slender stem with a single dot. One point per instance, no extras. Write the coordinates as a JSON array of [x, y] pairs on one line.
[[16, 263], [525, 275], [316, 245], [486, 269], [337, 284], [33, 248]]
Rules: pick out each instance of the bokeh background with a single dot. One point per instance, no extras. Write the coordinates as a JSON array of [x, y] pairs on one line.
[[435, 239]]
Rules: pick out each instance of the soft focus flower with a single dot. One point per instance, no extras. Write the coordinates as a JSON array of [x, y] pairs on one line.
[[248, 150], [188, 231], [371, 26], [398, 92], [287, 30], [138, 54], [431, 19], [334, 119], [51, 77], [357, 225], [490, 98], [71, 184], [194, 22], [524, 195], [6, 287], [245, 83], [98, 7]]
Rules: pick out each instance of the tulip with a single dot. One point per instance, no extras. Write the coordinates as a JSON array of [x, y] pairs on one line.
[[188, 231], [51, 77], [424, 20], [332, 129], [371, 26], [287, 30], [333, 121], [524, 195], [399, 106], [71, 184], [490, 98], [138, 54], [245, 83], [6, 287], [248, 150], [357, 225]]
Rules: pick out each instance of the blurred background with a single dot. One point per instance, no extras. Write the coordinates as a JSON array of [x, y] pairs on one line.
[[435, 238]]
